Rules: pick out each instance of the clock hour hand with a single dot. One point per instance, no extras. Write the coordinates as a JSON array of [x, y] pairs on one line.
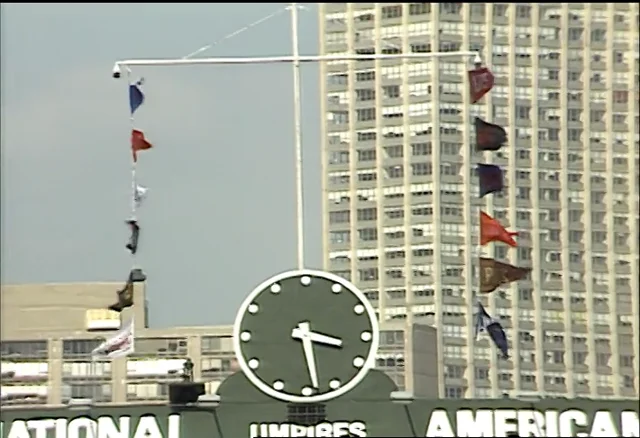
[[303, 330], [324, 339]]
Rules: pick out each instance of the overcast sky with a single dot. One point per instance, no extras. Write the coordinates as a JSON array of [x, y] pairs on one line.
[[220, 216]]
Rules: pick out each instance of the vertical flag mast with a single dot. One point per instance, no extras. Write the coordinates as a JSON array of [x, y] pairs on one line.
[[297, 115], [296, 59]]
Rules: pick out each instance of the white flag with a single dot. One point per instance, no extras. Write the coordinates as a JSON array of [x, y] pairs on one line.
[[119, 345], [140, 195]]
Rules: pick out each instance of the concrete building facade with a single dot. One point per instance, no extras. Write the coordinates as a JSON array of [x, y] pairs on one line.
[[49, 331], [400, 197]]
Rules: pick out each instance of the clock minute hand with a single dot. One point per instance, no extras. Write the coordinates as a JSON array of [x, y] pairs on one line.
[[311, 361], [302, 333], [324, 339]]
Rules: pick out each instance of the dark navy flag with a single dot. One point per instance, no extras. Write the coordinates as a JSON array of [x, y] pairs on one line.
[[498, 336], [136, 96], [491, 179], [489, 137], [132, 245]]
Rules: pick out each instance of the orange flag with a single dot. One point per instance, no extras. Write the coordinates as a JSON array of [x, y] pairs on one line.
[[492, 231], [138, 143]]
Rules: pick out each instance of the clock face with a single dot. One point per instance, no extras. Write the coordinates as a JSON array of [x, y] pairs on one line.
[[306, 336]]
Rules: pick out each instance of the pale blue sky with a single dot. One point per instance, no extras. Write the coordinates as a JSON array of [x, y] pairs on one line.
[[220, 216]]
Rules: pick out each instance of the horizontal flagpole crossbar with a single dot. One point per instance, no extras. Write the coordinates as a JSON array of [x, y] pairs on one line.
[[288, 59]]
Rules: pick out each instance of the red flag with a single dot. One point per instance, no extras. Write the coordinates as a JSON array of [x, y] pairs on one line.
[[491, 231], [480, 83], [138, 143]]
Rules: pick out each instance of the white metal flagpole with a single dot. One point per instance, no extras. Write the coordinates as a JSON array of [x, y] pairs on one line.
[[119, 65], [296, 59], [297, 115]]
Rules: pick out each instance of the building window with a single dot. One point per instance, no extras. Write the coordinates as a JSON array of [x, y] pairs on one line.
[[365, 94], [620, 96], [481, 373], [340, 236], [365, 114], [454, 371], [147, 391], [575, 34], [86, 369], [392, 337], [214, 366], [598, 35], [79, 347], [453, 392], [391, 91], [392, 11], [165, 347], [523, 11], [367, 155], [368, 234], [211, 343], [419, 8], [24, 349], [339, 217], [367, 214], [98, 392]]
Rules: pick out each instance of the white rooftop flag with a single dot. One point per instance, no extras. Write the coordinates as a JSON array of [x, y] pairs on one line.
[[119, 345], [140, 195]]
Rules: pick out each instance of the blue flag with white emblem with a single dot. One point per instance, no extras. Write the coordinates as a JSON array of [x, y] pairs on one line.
[[136, 96], [485, 323]]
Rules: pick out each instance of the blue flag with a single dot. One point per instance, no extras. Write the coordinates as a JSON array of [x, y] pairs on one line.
[[499, 337], [484, 322], [136, 97], [491, 179]]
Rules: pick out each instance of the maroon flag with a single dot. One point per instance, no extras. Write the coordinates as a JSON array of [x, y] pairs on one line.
[[489, 137], [494, 274], [480, 83]]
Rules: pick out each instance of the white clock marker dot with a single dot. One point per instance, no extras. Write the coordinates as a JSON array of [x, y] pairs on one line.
[[365, 336], [336, 288], [276, 288], [334, 384], [307, 391], [254, 363], [253, 308], [359, 309], [245, 336], [358, 362], [278, 385], [306, 281]]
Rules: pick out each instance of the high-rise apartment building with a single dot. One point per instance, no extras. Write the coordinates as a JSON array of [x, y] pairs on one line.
[[401, 198]]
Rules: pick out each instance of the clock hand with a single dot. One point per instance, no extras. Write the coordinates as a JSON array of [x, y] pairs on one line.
[[302, 333], [324, 339], [311, 360]]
